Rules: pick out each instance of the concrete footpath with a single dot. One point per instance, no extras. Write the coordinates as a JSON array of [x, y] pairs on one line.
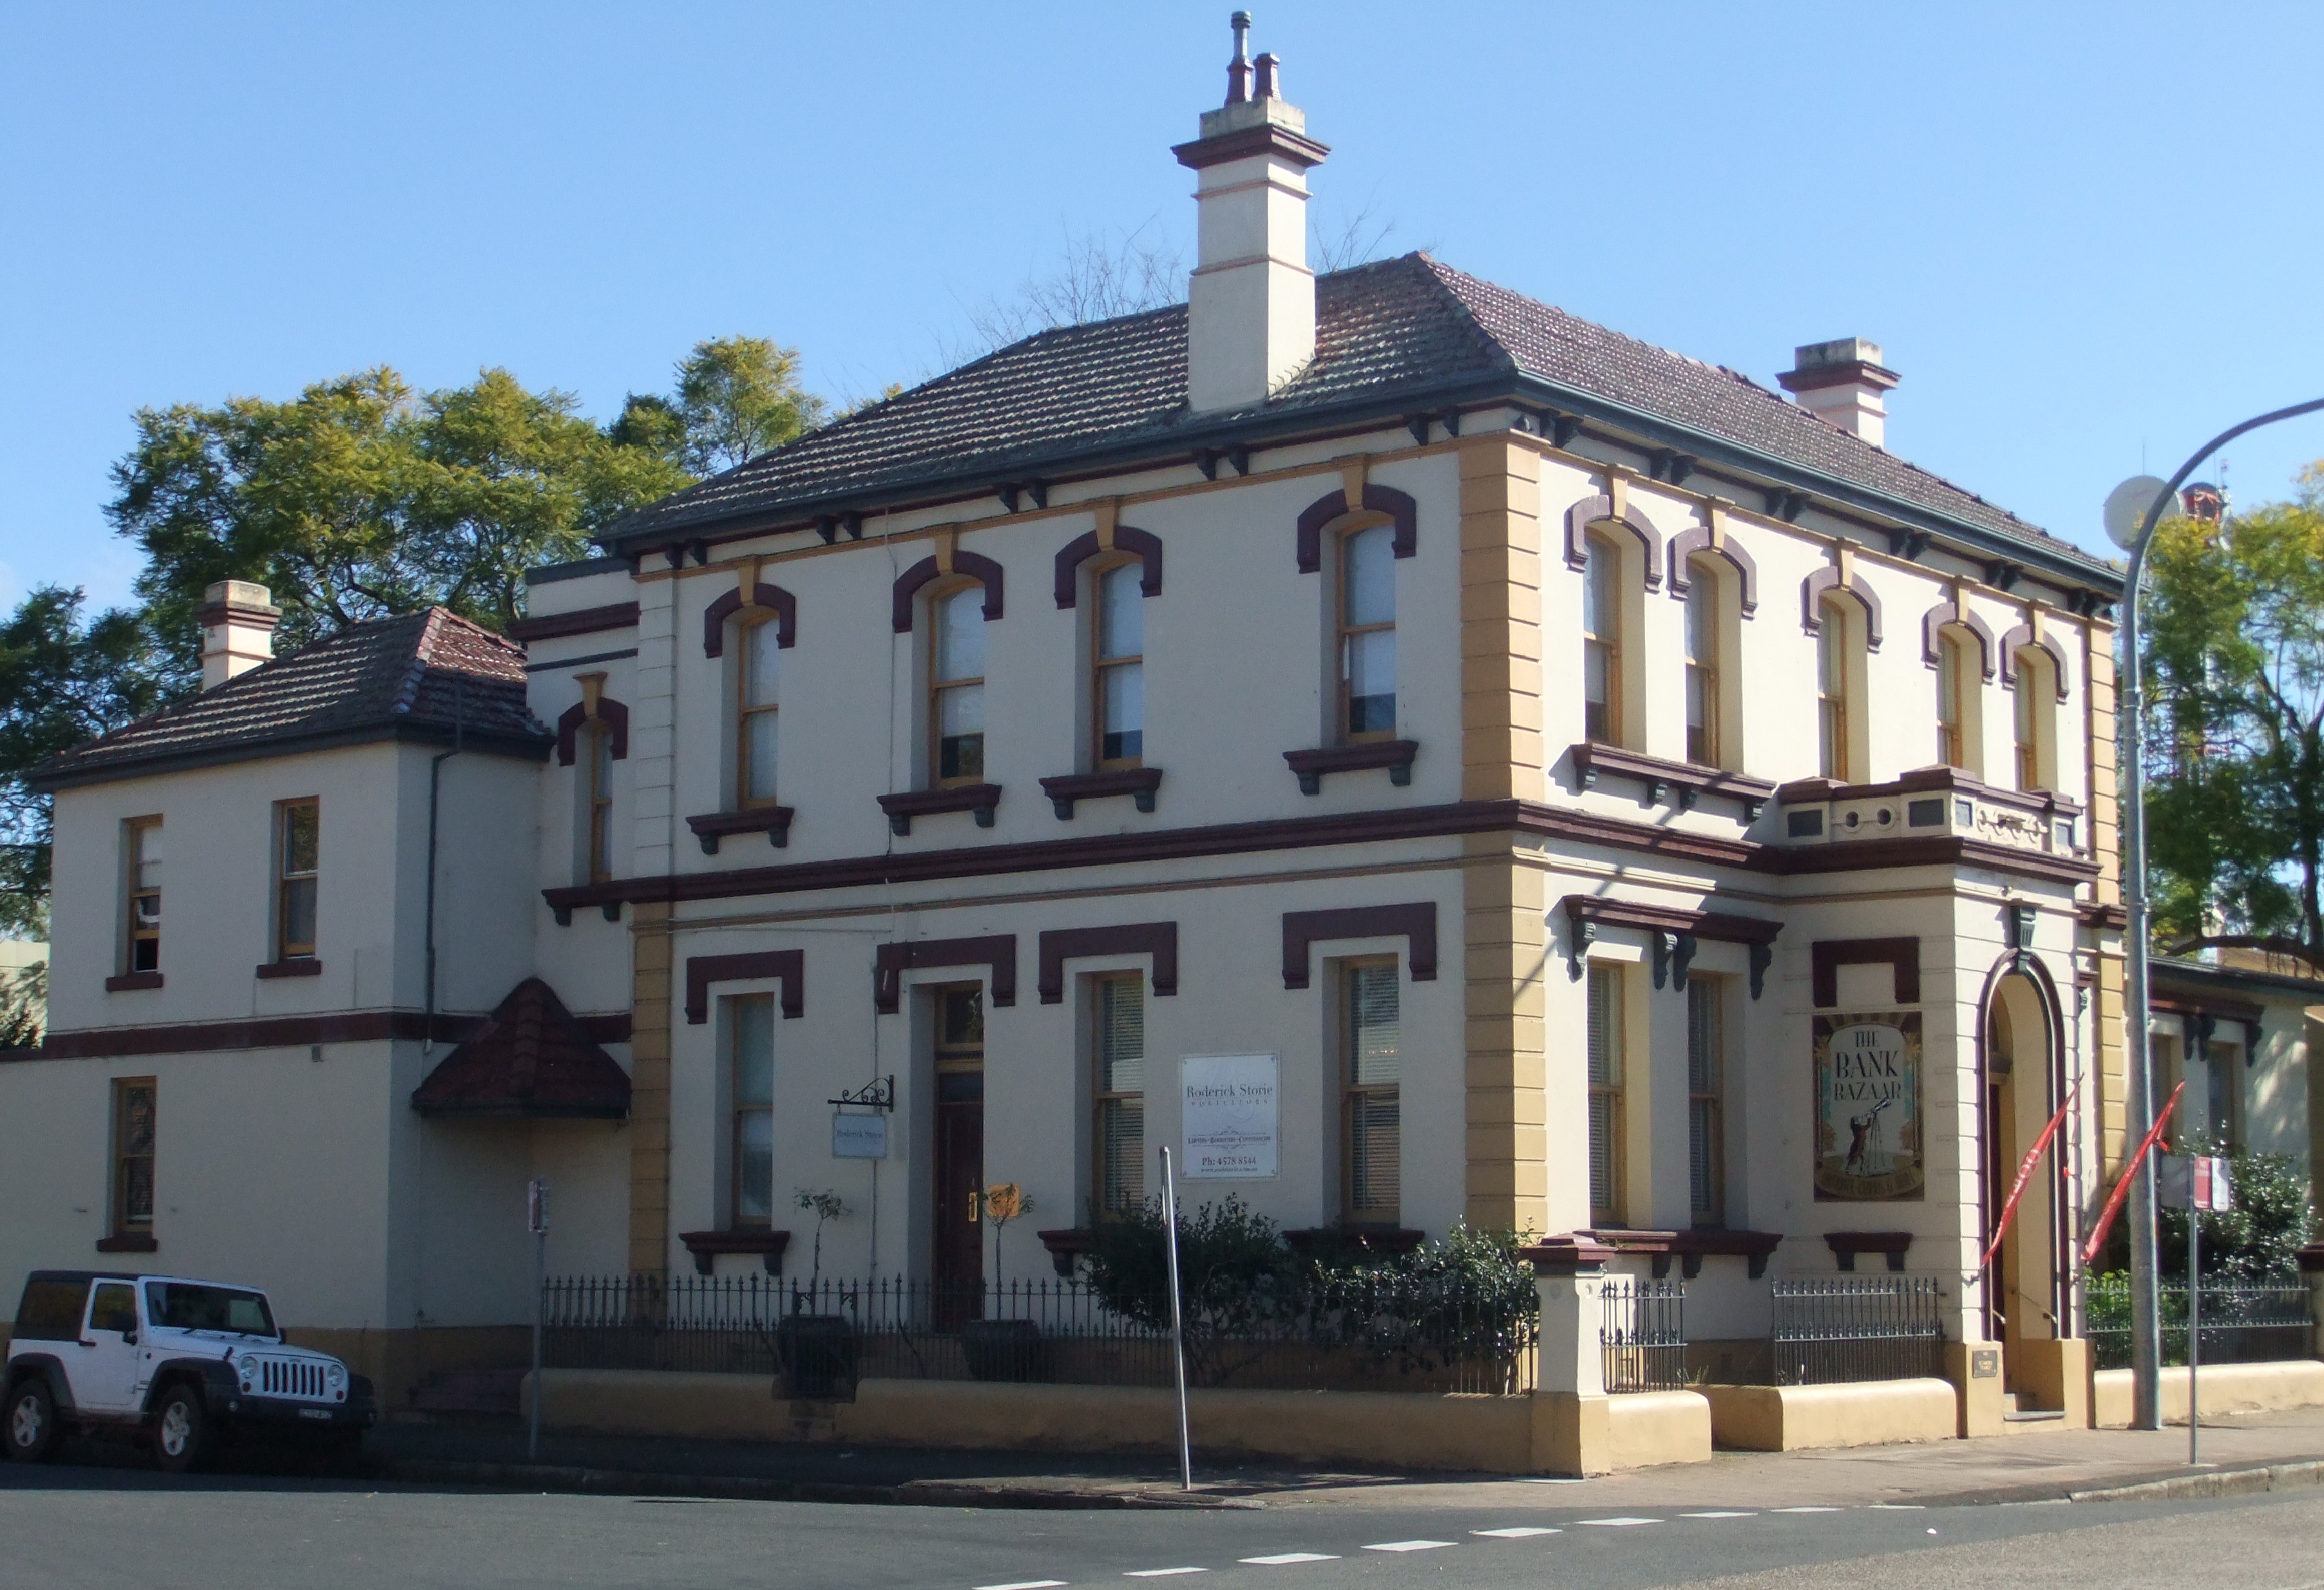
[[2244, 1453]]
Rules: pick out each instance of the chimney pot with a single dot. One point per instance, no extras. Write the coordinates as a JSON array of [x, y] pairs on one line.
[[238, 619], [1266, 89], [1239, 68], [1843, 381]]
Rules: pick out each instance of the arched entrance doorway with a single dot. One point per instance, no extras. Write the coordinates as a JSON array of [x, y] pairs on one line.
[[2022, 1078]]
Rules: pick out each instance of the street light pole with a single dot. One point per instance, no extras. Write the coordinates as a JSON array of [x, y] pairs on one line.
[[2145, 1316]]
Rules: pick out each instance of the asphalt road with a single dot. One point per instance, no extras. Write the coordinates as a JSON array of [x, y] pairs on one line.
[[110, 1526]]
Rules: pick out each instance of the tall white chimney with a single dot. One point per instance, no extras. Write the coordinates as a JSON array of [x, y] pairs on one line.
[[238, 620], [1843, 382], [1251, 307]]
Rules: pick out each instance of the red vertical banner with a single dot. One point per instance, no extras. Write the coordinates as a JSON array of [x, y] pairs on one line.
[[2122, 1188], [2025, 1174]]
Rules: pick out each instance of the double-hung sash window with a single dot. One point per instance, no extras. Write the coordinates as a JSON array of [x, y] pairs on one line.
[[1371, 1084], [600, 736], [144, 903], [956, 686], [1703, 668], [1605, 1048], [1706, 1072], [752, 1020], [1118, 1061], [1602, 640], [2035, 716], [1953, 749], [298, 868], [1118, 666], [756, 699], [1831, 691], [1368, 633], [134, 1101]]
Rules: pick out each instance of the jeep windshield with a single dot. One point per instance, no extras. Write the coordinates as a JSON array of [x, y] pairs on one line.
[[180, 1305]]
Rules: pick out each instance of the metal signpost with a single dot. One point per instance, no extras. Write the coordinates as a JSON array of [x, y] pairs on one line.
[[2198, 1184], [1178, 1320], [536, 1220]]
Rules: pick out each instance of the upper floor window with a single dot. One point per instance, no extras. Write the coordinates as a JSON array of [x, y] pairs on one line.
[[1118, 1061], [1834, 727], [956, 686], [1602, 640], [2224, 1118], [1367, 637], [1370, 1087], [1118, 666], [600, 797], [2035, 719], [1702, 650], [752, 1019], [1606, 1094], [1952, 736], [144, 900], [756, 698], [298, 868]]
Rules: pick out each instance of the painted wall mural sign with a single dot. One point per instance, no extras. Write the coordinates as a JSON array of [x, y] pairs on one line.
[[1867, 1103], [1231, 1123]]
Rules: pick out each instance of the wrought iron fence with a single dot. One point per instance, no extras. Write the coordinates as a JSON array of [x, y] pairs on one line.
[[1641, 1334], [1858, 1328], [2239, 1324], [1385, 1332]]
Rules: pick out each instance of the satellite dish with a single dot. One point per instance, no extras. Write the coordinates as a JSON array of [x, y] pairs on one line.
[[2127, 507]]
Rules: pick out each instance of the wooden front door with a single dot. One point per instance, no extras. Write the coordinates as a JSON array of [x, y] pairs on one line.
[[957, 1267]]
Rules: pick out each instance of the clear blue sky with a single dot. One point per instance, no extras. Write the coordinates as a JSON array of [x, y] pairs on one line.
[[2088, 235]]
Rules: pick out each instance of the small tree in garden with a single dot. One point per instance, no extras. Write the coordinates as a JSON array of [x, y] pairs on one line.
[[1003, 1201], [823, 1205], [1237, 1281], [2257, 1242]]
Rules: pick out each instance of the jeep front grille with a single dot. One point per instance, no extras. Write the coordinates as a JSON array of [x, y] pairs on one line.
[[290, 1377]]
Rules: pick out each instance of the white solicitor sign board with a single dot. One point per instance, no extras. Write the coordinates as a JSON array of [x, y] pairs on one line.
[[1231, 1117], [858, 1136]]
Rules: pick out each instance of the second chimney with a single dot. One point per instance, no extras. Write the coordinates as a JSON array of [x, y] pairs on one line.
[[1843, 382], [1251, 305], [238, 620]]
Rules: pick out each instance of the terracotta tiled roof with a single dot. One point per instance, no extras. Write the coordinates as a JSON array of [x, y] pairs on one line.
[[531, 1059], [1401, 330], [414, 677]]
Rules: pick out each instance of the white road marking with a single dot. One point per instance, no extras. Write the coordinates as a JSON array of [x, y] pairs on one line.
[[1541, 1480], [1026, 1584], [1897, 1506], [1281, 1558], [1516, 1532], [1160, 1573], [1407, 1546], [1619, 1523], [1804, 1510], [1718, 1515]]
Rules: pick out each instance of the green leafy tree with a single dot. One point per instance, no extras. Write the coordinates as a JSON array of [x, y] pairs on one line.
[[24, 1002], [737, 397], [63, 679], [2236, 658]]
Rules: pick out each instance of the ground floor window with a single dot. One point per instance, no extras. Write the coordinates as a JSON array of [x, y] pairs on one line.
[[1119, 1086], [752, 1021], [1605, 1044], [134, 1100], [1373, 1075], [1706, 1075]]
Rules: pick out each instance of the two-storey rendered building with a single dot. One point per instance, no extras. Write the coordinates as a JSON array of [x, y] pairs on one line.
[[1424, 757]]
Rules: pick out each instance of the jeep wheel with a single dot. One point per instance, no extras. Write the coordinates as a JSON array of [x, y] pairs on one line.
[[32, 1421], [181, 1434]]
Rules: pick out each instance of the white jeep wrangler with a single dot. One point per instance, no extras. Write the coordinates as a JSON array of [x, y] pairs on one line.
[[178, 1364]]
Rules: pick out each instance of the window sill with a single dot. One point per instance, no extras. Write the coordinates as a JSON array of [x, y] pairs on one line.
[[1845, 1245], [1691, 781], [905, 805], [706, 1245], [129, 982], [1066, 1244], [1138, 782], [1691, 1247], [300, 967], [773, 821], [129, 1242], [1396, 755]]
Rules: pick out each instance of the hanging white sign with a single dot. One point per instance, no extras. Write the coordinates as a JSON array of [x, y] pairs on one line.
[[1230, 1118], [858, 1136]]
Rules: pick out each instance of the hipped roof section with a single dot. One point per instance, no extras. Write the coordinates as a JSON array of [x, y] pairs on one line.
[[1409, 332], [431, 676], [531, 1060]]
